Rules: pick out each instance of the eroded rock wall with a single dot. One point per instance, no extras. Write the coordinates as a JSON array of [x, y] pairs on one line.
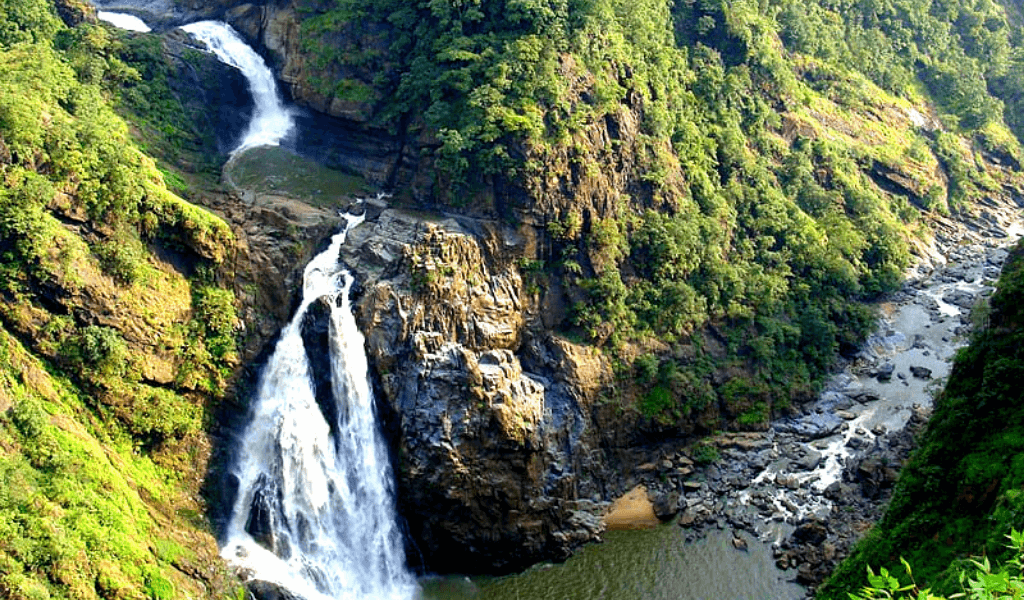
[[494, 436]]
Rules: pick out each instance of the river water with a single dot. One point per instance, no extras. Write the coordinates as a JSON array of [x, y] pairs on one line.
[[321, 504], [654, 564]]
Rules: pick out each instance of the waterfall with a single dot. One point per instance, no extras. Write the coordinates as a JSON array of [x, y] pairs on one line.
[[322, 505], [315, 508], [272, 121], [124, 21]]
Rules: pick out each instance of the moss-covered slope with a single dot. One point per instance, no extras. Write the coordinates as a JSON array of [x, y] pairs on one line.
[[116, 338]]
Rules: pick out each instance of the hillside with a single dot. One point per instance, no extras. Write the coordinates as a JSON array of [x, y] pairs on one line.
[[615, 225], [116, 333]]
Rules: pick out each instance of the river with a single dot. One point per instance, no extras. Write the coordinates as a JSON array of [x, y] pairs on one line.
[[653, 564]]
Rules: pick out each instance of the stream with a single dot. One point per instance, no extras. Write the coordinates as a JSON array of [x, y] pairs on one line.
[[317, 491]]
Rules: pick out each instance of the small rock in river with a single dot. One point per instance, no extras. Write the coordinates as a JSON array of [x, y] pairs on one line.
[[692, 486], [921, 372]]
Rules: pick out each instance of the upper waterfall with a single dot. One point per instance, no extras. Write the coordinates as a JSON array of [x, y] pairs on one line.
[[124, 21], [272, 121]]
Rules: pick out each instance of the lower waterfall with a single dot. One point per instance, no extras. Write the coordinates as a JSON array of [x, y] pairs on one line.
[[322, 504]]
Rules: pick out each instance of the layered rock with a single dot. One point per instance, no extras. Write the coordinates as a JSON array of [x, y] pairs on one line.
[[494, 435]]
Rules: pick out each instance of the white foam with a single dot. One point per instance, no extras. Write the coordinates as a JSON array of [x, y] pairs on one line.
[[124, 21]]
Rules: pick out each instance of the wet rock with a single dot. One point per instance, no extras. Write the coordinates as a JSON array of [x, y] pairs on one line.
[[959, 298], [884, 373], [875, 475], [811, 531], [844, 403], [811, 427], [666, 505], [809, 461], [265, 590], [688, 518], [266, 517], [921, 372], [864, 396], [856, 442]]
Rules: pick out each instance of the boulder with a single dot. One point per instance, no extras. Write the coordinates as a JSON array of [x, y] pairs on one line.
[[921, 372], [810, 531]]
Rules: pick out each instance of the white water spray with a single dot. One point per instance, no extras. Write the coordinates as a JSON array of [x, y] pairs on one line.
[[272, 121], [326, 500], [124, 21]]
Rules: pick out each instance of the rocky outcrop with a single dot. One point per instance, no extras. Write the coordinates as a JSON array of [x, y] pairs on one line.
[[494, 436], [277, 235]]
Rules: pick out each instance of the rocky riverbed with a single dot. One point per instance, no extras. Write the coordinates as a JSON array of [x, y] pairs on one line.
[[815, 481]]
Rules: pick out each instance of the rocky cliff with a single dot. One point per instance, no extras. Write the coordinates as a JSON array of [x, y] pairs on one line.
[[491, 413]]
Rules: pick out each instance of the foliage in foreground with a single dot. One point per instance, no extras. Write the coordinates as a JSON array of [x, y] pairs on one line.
[[978, 579]]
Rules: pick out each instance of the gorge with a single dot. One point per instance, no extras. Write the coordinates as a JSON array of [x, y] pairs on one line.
[[629, 289]]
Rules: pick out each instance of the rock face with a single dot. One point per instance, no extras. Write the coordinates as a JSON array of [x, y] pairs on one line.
[[492, 418], [214, 96]]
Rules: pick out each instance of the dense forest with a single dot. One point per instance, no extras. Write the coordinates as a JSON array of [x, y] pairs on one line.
[[749, 173], [779, 173]]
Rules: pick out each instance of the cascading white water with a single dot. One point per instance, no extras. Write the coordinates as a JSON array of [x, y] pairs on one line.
[[123, 21], [272, 121], [322, 504], [327, 499]]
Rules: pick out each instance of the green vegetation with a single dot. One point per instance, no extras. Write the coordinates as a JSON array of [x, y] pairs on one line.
[[962, 491], [772, 176], [274, 170], [978, 579], [723, 187], [110, 358]]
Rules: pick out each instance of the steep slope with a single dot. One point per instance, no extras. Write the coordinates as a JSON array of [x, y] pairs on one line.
[[117, 336]]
